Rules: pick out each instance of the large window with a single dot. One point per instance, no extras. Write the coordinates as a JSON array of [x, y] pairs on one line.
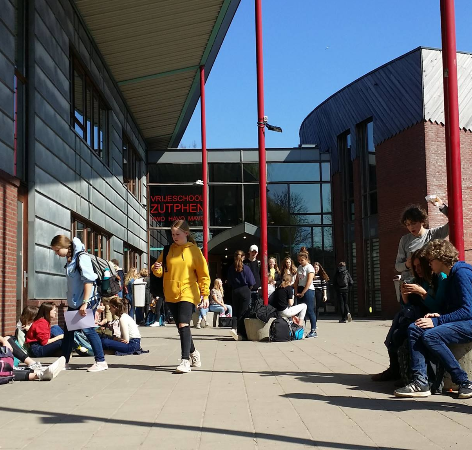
[[96, 241], [89, 111], [131, 257], [131, 168]]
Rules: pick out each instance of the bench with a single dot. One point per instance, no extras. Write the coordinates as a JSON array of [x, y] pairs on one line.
[[211, 319], [257, 330], [463, 354]]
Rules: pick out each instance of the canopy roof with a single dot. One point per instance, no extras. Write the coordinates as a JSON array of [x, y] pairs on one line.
[[153, 49]]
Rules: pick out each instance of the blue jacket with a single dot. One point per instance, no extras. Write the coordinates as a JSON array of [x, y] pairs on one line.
[[76, 280], [240, 279], [458, 295]]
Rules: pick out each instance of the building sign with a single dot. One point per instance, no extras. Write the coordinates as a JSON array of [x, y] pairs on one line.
[[170, 203]]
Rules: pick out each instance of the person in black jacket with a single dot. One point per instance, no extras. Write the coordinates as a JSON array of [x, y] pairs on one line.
[[341, 281]]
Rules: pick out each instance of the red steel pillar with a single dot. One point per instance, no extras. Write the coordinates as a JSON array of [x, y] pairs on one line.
[[451, 121], [204, 163], [262, 152]]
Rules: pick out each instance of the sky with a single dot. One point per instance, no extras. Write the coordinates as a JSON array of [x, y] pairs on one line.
[[312, 49]]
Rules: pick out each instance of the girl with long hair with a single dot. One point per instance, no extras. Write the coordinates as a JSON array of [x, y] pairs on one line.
[[217, 303], [130, 338], [288, 267], [274, 270], [41, 339], [130, 277], [305, 289], [186, 284], [81, 294], [241, 280], [320, 283]]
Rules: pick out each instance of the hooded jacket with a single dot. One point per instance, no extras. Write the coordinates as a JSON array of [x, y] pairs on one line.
[[458, 295], [350, 282], [187, 276], [76, 279]]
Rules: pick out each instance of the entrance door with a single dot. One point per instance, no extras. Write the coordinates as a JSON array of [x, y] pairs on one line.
[[21, 254]]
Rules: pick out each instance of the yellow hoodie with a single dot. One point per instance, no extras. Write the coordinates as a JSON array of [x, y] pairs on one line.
[[187, 275]]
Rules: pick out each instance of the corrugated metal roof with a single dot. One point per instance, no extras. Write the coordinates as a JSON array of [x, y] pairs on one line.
[[153, 49], [396, 96]]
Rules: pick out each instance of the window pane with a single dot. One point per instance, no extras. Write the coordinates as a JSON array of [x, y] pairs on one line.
[[250, 172], [326, 190], [96, 244], [225, 205], [325, 171], [327, 219], [305, 198], [370, 137], [251, 204], [293, 172], [89, 243], [78, 97], [96, 116], [174, 173], [277, 204], [305, 219], [328, 238], [225, 172], [103, 128], [317, 239], [89, 115]]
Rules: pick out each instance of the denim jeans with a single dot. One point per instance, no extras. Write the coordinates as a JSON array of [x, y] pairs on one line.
[[433, 343], [92, 336], [117, 346], [39, 351], [220, 310], [309, 299], [202, 312]]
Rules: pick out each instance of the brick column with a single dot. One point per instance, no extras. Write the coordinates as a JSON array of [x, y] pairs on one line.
[[8, 223]]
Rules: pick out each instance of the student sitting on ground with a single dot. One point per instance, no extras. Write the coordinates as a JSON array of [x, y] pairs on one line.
[[26, 319], [431, 335], [283, 300], [34, 370], [42, 339], [130, 340]]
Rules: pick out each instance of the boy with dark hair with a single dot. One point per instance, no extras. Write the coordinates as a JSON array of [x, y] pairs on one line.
[[430, 335]]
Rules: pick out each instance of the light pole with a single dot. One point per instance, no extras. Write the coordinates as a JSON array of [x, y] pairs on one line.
[[204, 163], [451, 122]]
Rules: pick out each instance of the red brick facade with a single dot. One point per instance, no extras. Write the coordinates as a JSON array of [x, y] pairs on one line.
[[8, 224]]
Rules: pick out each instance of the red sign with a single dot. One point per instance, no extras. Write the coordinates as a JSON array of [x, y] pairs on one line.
[[166, 209]]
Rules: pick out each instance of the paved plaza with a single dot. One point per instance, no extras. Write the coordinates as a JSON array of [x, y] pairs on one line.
[[247, 395]]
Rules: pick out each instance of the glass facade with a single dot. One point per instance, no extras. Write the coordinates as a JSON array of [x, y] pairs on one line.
[[298, 203]]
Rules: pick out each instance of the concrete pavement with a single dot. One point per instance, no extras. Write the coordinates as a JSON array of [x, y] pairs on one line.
[[247, 395]]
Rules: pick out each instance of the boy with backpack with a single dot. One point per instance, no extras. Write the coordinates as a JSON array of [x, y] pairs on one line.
[[342, 280]]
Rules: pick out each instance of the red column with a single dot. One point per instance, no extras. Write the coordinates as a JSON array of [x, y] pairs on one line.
[[262, 152], [451, 121], [204, 163]]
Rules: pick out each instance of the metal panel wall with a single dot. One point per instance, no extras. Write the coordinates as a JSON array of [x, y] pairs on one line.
[[68, 177]]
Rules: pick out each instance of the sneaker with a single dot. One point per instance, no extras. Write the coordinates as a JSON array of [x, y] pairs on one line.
[[349, 317], [311, 334], [198, 325], [195, 359], [155, 324], [342, 321], [387, 375], [98, 366], [67, 367], [234, 334], [414, 389], [52, 371], [465, 390], [204, 323], [36, 366], [183, 367]]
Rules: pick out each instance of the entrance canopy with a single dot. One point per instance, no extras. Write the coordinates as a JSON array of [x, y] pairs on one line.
[[154, 49], [240, 237]]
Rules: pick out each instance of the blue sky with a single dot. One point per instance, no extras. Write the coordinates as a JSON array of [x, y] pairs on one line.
[[312, 49]]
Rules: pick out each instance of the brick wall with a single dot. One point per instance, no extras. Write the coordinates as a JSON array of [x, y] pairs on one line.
[[8, 223]]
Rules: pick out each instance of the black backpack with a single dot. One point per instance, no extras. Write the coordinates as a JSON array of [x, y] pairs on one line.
[[342, 279], [280, 331], [157, 288]]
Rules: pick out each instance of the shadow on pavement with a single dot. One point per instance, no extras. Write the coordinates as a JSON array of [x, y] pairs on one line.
[[50, 418]]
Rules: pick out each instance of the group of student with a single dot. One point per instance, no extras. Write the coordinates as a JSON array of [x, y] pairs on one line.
[[436, 310]]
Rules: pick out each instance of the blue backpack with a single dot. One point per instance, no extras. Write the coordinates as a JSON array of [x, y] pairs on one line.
[[297, 332]]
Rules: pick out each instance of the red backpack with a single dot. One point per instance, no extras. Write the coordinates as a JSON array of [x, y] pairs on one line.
[[6, 365]]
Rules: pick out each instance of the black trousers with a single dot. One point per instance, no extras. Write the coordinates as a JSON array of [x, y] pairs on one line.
[[241, 303], [343, 304], [182, 313]]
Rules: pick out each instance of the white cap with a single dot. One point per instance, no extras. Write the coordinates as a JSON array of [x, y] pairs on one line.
[[253, 247]]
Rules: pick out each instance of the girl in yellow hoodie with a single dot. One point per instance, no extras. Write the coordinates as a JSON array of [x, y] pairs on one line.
[[186, 283]]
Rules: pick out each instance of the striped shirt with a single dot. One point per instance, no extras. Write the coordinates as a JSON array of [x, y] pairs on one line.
[[320, 283]]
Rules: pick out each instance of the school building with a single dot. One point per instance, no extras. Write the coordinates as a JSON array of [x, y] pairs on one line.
[[385, 134]]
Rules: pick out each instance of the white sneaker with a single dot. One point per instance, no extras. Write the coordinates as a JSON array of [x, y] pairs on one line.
[[98, 367], [204, 323], [198, 325], [155, 324], [234, 334], [52, 371], [349, 317], [195, 359], [36, 366], [183, 367]]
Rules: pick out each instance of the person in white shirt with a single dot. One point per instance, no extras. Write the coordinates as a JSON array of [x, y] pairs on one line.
[[130, 339]]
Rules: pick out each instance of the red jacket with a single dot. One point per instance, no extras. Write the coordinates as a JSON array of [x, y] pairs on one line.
[[40, 331]]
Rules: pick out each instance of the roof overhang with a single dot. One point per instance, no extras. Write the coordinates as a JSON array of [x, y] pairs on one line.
[[154, 49]]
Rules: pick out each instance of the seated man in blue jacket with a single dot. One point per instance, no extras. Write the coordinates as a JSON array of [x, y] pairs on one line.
[[432, 334]]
